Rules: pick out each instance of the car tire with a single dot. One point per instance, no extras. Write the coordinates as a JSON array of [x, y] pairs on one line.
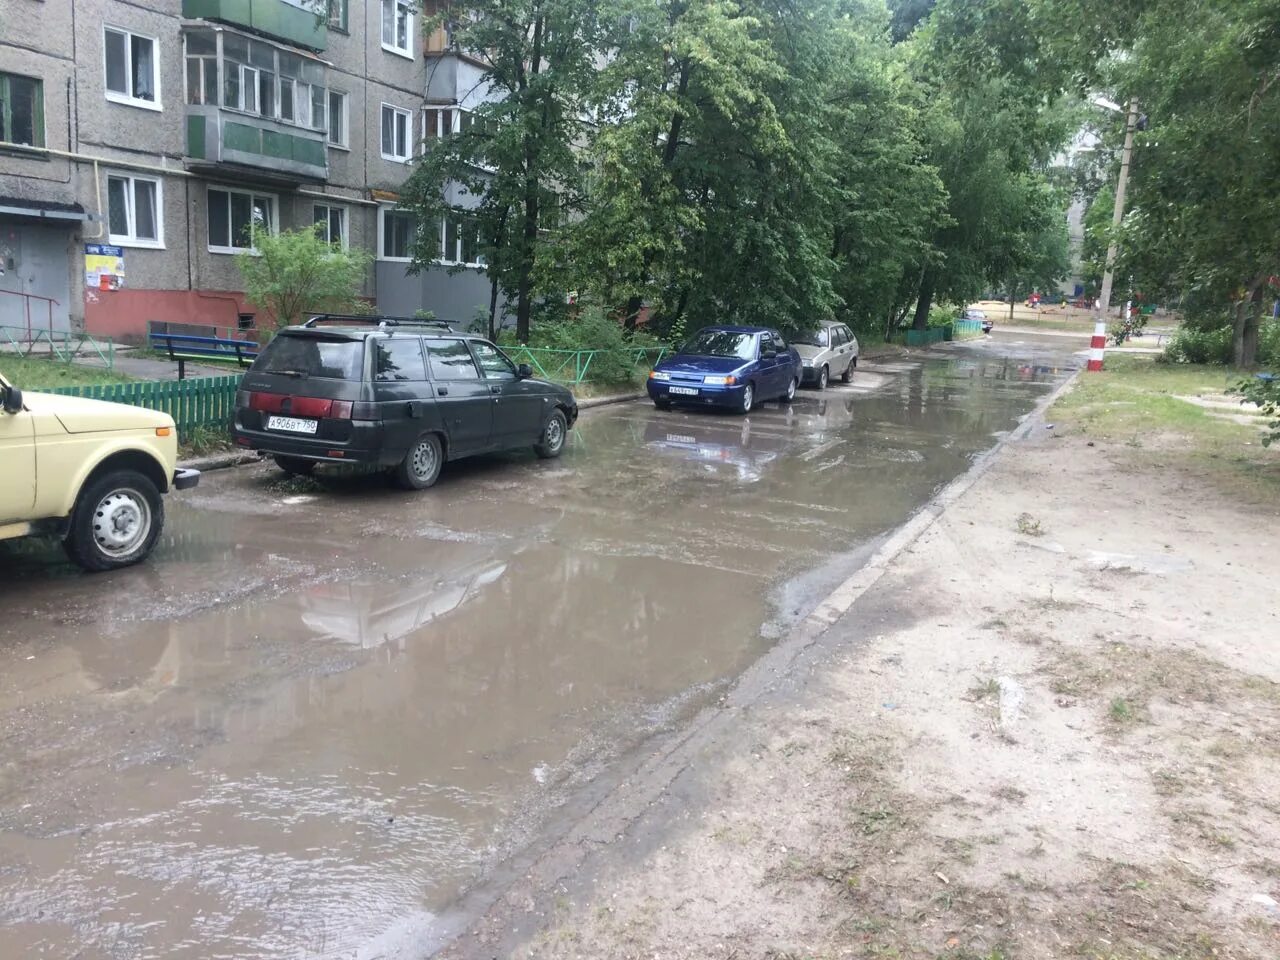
[[791, 391], [294, 466], [748, 400], [421, 465], [662, 404], [116, 522], [824, 375], [847, 376], [554, 435]]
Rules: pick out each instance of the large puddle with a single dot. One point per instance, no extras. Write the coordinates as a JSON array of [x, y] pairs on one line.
[[317, 715]]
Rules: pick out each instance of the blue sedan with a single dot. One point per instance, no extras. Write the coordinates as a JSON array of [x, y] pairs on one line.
[[733, 367]]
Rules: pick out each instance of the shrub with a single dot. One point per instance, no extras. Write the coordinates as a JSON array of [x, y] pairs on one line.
[[591, 329], [942, 314], [1200, 346], [1269, 344]]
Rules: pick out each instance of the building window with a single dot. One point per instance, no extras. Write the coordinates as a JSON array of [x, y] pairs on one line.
[[237, 217], [21, 110], [397, 27], [337, 119], [396, 127], [396, 234], [132, 75], [134, 211], [460, 240], [202, 69], [331, 223], [338, 15], [261, 79]]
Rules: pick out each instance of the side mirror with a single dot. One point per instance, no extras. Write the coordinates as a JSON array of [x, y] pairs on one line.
[[12, 400], [524, 372], [768, 354]]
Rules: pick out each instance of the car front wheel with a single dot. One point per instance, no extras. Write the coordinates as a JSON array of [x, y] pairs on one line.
[[748, 399], [553, 437], [116, 522], [823, 376], [420, 467]]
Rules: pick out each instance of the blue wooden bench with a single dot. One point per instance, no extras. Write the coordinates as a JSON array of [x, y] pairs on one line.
[[182, 347]]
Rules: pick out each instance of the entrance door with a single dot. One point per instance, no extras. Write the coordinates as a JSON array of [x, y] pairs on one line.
[[34, 265]]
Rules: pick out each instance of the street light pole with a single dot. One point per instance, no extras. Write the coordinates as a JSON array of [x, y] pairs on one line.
[[1098, 346]]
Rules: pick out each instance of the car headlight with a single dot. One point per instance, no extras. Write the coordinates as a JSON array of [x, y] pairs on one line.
[[807, 361], [659, 375], [720, 381]]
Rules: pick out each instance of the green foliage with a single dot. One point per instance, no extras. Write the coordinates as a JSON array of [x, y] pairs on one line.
[[592, 330], [1266, 394], [1200, 346], [941, 314], [296, 272]]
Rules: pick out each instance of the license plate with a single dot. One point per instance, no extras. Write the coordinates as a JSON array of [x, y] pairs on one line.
[[684, 391], [292, 424]]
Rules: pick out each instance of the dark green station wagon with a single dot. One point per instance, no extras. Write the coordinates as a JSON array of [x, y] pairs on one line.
[[398, 393]]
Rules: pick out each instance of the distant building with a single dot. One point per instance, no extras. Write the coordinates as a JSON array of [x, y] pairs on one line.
[[145, 142]]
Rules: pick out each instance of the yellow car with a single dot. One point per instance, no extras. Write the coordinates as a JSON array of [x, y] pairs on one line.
[[87, 471]]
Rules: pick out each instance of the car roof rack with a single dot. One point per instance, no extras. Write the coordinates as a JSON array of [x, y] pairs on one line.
[[381, 322]]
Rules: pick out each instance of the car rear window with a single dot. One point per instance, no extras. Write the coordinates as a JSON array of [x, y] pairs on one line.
[[335, 358]]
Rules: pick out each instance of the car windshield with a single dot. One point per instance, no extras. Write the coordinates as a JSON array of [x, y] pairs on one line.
[[722, 343], [813, 338], [301, 355]]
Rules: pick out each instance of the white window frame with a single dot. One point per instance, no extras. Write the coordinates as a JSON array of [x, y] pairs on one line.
[[275, 216], [383, 210], [396, 6], [345, 144], [247, 87], [456, 259], [330, 208], [131, 239], [408, 132], [116, 96]]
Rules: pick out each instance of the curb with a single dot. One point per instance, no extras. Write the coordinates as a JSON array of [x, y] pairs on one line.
[[218, 461], [603, 401]]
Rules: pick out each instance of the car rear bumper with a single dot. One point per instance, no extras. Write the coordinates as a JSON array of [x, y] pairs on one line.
[[363, 446], [707, 395], [185, 479]]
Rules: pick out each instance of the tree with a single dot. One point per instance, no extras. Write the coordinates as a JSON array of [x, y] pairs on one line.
[[512, 178], [296, 272]]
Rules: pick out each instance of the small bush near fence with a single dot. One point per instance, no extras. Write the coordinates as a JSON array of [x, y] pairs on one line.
[[193, 404], [615, 352]]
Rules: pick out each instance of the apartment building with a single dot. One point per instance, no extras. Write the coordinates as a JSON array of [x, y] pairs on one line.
[[144, 143]]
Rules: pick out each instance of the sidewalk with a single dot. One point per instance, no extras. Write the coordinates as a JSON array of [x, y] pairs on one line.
[[1051, 728]]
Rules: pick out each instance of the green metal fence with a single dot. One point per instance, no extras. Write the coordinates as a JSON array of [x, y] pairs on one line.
[[576, 367], [59, 344], [964, 329], [203, 402]]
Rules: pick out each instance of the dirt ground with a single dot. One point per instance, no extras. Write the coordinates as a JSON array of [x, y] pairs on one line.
[[1050, 729]]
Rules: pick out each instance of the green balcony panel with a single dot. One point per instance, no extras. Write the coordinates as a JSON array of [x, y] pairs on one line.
[[196, 138], [274, 18]]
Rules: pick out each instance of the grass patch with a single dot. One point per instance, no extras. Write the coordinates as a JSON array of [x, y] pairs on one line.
[[35, 373], [1138, 404], [202, 441], [1029, 526]]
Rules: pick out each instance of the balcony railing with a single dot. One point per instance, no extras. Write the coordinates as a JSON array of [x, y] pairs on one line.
[[293, 21]]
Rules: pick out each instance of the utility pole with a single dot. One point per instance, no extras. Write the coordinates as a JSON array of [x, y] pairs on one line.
[[1098, 346]]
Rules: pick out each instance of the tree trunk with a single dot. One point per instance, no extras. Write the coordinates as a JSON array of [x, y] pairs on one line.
[[493, 309], [1244, 326], [1013, 297], [632, 314], [529, 228], [924, 300]]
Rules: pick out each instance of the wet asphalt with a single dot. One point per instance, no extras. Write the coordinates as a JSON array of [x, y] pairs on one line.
[[322, 711]]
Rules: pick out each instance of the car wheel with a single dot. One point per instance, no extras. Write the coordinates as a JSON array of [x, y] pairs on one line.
[[553, 436], [116, 522], [294, 466], [662, 404], [847, 376], [791, 391], [420, 467], [748, 399], [823, 376]]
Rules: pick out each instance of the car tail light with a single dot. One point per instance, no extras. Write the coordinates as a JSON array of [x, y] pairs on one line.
[[340, 409]]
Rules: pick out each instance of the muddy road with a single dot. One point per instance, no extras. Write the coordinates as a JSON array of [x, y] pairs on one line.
[[322, 711]]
